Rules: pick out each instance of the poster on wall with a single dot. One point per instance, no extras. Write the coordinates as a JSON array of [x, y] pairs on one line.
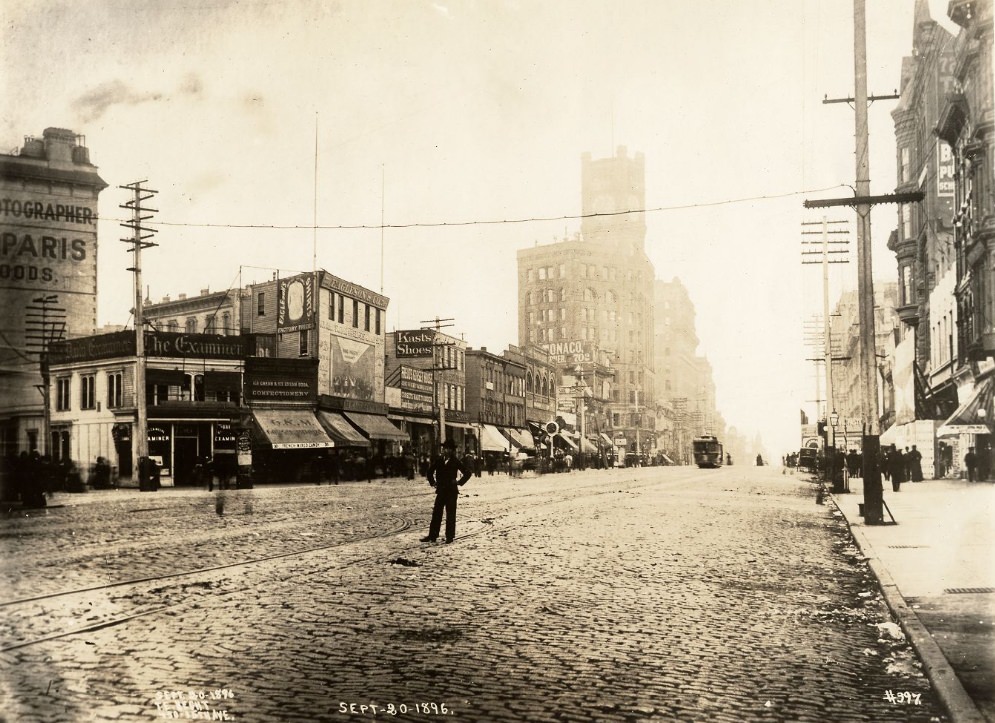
[[352, 368], [296, 303]]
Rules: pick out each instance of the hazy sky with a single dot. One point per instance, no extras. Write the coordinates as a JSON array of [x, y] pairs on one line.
[[446, 112]]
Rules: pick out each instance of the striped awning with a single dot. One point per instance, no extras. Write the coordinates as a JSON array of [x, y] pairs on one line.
[[491, 440], [376, 427], [339, 429], [975, 416]]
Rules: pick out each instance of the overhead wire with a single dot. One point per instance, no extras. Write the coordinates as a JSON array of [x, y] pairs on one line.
[[476, 222]]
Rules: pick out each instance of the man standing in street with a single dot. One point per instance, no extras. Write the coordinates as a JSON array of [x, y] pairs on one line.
[[442, 476]]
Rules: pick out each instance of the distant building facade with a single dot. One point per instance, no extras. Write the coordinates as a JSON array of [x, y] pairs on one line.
[[685, 389], [207, 313], [593, 293], [427, 368]]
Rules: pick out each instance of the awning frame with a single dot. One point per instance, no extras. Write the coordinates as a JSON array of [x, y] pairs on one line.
[[968, 412], [308, 426], [371, 427]]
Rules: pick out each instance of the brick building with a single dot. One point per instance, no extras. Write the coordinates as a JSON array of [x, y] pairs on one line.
[[48, 271]]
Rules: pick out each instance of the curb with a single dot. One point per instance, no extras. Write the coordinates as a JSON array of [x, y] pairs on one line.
[[941, 675]]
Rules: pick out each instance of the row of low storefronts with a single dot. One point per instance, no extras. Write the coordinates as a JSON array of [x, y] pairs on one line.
[[213, 407]]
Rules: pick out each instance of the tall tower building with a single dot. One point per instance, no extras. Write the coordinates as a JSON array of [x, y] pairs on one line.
[[588, 300], [48, 271]]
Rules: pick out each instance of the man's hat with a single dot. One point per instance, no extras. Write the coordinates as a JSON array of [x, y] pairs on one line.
[[449, 444]]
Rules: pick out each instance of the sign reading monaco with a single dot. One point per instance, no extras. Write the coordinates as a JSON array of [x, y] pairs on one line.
[[570, 352], [411, 344]]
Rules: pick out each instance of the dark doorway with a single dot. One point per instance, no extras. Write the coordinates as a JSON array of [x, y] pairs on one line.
[[185, 451]]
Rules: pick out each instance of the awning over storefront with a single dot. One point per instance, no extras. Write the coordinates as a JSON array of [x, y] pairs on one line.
[[511, 441], [666, 459], [460, 425], [974, 416], [491, 440], [376, 427], [409, 418], [607, 440], [518, 437], [564, 442], [343, 433], [292, 428]]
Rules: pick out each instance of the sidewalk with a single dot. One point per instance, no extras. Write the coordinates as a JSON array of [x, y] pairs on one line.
[[936, 567]]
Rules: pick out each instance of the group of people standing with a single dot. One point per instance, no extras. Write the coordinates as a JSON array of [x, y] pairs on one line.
[[897, 465], [902, 466]]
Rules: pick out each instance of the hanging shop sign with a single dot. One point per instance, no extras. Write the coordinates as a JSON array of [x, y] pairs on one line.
[[295, 310], [414, 344]]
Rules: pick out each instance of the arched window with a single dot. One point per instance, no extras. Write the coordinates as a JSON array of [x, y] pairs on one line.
[[226, 324], [528, 381], [191, 325], [612, 299], [173, 326]]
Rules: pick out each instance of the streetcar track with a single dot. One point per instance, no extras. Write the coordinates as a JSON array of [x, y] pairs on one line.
[[405, 524]]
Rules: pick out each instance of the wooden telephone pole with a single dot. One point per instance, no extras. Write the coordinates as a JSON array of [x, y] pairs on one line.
[[140, 439], [862, 203]]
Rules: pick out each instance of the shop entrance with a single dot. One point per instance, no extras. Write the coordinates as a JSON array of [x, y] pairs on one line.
[[185, 451], [983, 451]]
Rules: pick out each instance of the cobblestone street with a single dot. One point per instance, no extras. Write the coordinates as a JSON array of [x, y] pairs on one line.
[[647, 594]]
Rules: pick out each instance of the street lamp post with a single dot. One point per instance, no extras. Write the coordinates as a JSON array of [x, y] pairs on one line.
[[580, 413], [835, 468]]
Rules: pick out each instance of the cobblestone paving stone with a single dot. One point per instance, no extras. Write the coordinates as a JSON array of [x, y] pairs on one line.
[[654, 594]]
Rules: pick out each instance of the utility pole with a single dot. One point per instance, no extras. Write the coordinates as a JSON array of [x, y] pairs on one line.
[[839, 257], [438, 400], [862, 203], [40, 332], [140, 438]]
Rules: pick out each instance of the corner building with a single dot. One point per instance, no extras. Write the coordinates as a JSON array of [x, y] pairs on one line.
[[48, 271], [593, 293]]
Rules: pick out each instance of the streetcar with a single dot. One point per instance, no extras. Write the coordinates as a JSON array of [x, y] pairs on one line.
[[707, 451]]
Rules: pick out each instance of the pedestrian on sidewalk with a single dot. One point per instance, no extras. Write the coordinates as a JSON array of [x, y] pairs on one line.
[[915, 464], [442, 476], [970, 461], [898, 465]]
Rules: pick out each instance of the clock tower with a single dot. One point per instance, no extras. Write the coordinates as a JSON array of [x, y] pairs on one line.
[[613, 196]]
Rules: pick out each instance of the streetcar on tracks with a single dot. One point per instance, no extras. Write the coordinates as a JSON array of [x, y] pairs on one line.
[[707, 451]]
